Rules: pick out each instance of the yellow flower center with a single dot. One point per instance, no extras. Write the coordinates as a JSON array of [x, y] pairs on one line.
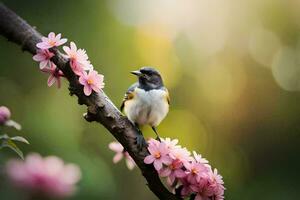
[[90, 81], [172, 167], [157, 155], [194, 171], [72, 56], [52, 43]]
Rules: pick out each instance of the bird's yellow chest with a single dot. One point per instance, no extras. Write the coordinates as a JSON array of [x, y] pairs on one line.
[[147, 107]]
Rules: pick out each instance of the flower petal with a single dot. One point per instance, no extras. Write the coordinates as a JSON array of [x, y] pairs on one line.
[[149, 159], [51, 35], [130, 164], [43, 64], [157, 165], [152, 148], [67, 50], [51, 80], [87, 90], [166, 160], [116, 147], [58, 36], [73, 46], [117, 157], [179, 173], [165, 172], [95, 88], [38, 57], [62, 41], [43, 45]]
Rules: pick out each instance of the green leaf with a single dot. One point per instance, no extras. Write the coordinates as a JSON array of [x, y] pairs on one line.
[[19, 139], [4, 137], [12, 123], [10, 144]]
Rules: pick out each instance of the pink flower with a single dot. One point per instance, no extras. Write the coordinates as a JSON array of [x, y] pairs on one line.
[[186, 173], [4, 114], [91, 81], [51, 41], [186, 187], [173, 171], [216, 183], [120, 153], [196, 171], [209, 187], [159, 155], [54, 75], [47, 176], [43, 56], [181, 154], [78, 59]]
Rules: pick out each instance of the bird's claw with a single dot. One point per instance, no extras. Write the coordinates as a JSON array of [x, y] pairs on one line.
[[158, 139], [140, 142]]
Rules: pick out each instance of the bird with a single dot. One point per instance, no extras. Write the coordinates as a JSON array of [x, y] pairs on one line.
[[147, 101]]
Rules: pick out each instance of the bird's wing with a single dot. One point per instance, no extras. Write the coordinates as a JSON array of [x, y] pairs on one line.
[[167, 95], [128, 95]]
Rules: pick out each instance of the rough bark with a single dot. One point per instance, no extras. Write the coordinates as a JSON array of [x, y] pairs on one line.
[[100, 107]]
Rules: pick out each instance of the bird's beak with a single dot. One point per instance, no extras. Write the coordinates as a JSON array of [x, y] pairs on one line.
[[137, 73]]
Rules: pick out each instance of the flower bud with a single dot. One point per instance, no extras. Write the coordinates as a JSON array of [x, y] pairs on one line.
[[4, 114]]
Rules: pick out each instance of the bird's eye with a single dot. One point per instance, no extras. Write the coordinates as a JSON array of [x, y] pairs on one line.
[[148, 73]]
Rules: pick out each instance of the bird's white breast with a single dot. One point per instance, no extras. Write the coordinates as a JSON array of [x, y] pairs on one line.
[[147, 107]]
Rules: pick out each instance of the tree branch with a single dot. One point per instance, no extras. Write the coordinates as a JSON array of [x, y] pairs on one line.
[[100, 107]]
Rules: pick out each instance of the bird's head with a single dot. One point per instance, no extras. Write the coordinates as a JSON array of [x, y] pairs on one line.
[[149, 78]]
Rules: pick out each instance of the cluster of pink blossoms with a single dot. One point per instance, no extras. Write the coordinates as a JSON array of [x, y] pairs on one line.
[[186, 174], [79, 62], [49, 176]]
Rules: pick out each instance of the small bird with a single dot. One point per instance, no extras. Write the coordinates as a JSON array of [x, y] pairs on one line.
[[147, 101]]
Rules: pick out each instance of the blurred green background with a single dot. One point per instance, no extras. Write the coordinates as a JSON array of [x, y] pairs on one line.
[[232, 68]]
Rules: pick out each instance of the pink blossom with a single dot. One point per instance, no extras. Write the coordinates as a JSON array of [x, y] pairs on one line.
[[202, 190], [51, 41], [159, 155], [120, 153], [4, 114], [186, 187], [78, 59], [209, 187], [216, 184], [54, 75], [173, 171], [196, 171], [91, 81], [181, 154], [189, 174], [43, 56], [47, 176]]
